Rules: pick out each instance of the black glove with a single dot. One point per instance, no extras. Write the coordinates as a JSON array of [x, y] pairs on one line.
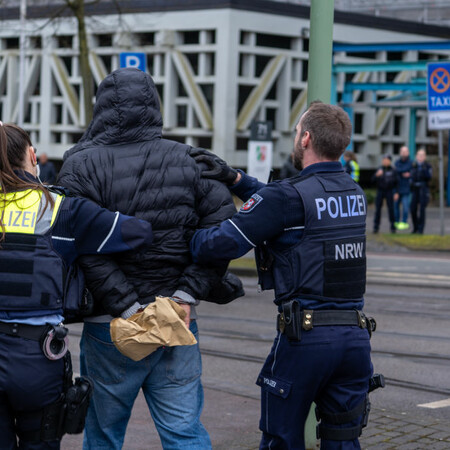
[[214, 167], [229, 289]]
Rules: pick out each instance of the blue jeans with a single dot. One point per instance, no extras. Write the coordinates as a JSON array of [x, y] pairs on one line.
[[403, 199], [169, 378]]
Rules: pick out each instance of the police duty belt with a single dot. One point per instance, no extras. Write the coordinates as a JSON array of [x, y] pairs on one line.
[[292, 320], [52, 338]]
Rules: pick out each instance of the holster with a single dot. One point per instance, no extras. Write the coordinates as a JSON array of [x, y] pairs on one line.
[[289, 321], [77, 403]]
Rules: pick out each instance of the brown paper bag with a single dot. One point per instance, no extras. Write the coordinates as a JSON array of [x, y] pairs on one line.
[[160, 324]]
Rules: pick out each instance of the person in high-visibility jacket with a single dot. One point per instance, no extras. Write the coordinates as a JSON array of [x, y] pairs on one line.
[[351, 165], [42, 232]]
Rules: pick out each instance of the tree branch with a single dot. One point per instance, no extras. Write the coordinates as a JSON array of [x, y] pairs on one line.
[[54, 16]]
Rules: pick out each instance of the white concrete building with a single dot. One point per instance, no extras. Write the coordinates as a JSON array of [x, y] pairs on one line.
[[218, 65]]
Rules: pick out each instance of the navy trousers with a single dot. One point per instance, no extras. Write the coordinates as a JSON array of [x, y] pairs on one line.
[[329, 366], [28, 382], [419, 201], [389, 196]]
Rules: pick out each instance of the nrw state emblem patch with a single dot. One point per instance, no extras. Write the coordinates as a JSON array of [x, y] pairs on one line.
[[251, 203]]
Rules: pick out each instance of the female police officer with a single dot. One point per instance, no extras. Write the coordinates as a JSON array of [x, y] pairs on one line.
[[41, 235]]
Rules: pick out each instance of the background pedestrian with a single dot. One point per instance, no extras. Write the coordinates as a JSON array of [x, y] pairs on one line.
[[351, 165], [421, 174], [47, 171], [386, 181], [403, 166]]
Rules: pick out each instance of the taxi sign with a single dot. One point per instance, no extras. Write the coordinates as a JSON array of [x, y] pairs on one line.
[[438, 95]]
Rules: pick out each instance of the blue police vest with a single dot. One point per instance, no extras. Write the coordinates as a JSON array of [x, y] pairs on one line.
[[34, 280], [328, 263]]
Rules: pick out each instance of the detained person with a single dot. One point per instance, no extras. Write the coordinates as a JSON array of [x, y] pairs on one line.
[[122, 162]]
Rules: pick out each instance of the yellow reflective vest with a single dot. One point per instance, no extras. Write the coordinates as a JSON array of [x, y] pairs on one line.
[[32, 275]]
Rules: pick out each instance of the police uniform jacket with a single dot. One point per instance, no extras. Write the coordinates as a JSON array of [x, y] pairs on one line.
[[41, 246], [308, 233], [420, 175], [388, 181], [122, 163]]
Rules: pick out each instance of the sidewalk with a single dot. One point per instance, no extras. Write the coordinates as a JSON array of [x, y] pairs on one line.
[[398, 430], [432, 223], [232, 422]]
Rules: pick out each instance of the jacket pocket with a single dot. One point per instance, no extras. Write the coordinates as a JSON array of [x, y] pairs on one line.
[[183, 362]]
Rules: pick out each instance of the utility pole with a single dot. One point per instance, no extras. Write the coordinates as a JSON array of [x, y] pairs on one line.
[[321, 18], [320, 50], [23, 19]]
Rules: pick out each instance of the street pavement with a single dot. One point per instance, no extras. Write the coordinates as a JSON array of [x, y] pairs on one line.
[[432, 222], [407, 292]]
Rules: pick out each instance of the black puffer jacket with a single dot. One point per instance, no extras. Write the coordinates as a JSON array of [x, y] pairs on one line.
[[123, 164]]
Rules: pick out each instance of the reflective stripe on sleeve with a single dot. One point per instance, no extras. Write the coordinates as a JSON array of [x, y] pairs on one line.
[[242, 234], [111, 231]]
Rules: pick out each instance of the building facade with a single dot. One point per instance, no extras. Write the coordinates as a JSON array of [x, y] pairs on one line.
[[217, 66]]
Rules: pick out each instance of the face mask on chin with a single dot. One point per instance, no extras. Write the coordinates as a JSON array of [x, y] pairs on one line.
[[38, 170]]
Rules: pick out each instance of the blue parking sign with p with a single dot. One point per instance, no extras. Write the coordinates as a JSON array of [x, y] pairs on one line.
[[135, 60]]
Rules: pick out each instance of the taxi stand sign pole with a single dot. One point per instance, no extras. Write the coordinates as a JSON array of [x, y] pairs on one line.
[[321, 19], [438, 104]]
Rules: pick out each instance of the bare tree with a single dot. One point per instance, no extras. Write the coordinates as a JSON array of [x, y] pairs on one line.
[[77, 8]]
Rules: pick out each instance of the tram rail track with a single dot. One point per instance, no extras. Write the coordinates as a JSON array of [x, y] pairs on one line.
[[258, 338], [389, 381], [394, 353]]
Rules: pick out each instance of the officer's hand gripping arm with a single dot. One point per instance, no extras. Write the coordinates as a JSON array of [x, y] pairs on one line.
[[214, 167], [204, 281]]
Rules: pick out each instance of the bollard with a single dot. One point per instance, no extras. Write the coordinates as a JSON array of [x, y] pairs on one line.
[[311, 442]]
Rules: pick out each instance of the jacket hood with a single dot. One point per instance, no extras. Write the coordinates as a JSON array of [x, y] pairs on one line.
[[126, 110]]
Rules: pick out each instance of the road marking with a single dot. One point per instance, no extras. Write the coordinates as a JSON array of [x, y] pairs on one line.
[[408, 275], [435, 405]]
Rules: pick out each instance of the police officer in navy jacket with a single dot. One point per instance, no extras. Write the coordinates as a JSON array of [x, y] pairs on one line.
[[421, 174], [308, 233], [41, 234]]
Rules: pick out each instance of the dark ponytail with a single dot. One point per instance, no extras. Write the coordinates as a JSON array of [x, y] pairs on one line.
[[14, 143]]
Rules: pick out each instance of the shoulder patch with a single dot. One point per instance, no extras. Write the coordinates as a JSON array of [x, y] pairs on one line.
[[251, 203]]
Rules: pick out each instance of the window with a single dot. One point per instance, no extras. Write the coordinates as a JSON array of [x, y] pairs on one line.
[[398, 125], [241, 143], [190, 37], [273, 40], [104, 40], [358, 123], [11, 43], [146, 38], [182, 116], [65, 41]]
